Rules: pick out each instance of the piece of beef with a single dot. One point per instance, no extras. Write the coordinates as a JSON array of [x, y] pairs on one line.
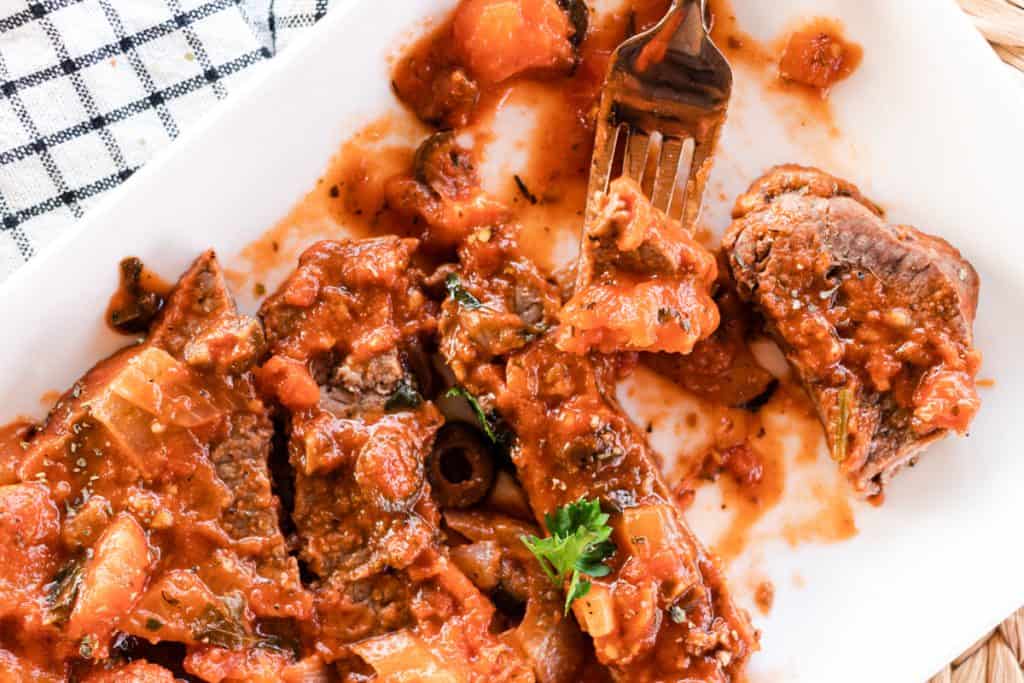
[[343, 330], [875, 318], [431, 82], [164, 446], [642, 282], [201, 326], [663, 612]]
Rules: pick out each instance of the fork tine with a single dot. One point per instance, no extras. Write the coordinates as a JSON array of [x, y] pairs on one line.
[[600, 167], [636, 154], [667, 172], [677, 204], [604, 155]]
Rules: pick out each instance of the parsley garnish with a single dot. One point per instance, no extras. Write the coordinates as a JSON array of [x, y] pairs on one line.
[[87, 647], [404, 396], [481, 416], [578, 545], [457, 292]]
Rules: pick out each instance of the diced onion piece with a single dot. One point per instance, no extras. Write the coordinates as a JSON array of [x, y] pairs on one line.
[[132, 432], [596, 611], [113, 578], [508, 496], [172, 608], [165, 388], [647, 529], [403, 657], [480, 561]]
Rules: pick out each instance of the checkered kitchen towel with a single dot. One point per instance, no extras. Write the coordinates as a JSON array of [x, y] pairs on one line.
[[91, 89]]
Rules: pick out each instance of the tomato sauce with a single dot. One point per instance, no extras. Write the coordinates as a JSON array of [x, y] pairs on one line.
[[818, 56], [137, 300], [801, 66]]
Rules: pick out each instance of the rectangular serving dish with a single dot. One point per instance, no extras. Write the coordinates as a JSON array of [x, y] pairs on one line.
[[932, 126]]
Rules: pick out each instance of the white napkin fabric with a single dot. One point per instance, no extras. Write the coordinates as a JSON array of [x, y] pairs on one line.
[[91, 89], [277, 23]]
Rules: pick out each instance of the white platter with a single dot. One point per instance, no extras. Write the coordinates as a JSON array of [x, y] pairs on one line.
[[932, 127]]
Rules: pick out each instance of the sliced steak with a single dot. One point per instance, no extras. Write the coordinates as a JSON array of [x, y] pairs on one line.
[[875, 318], [164, 446], [663, 612], [343, 331]]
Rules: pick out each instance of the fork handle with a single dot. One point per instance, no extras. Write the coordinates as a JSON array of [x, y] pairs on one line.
[[676, 59], [683, 26]]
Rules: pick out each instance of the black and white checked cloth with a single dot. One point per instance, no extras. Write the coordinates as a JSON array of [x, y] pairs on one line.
[[91, 89]]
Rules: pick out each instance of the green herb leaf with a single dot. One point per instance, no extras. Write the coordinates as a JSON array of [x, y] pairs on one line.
[[87, 647], [153, 624], [577, 589], [842, 426], [481, 416], [63, 590], [457, 292], [578, 545], [405, 396], [217, 626], [223, 624]]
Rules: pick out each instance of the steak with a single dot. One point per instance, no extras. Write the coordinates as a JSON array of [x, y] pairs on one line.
[[876, 319], [164, 446], [344, 332], [663, 611]]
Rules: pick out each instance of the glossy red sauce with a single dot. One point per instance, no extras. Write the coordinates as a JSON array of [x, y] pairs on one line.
[[14, 438], [139, 297], [764, 597], [743, 456], [818, 56], [800, 66]]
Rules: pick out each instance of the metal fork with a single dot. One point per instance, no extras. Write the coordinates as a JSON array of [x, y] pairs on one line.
[[669, 83]]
